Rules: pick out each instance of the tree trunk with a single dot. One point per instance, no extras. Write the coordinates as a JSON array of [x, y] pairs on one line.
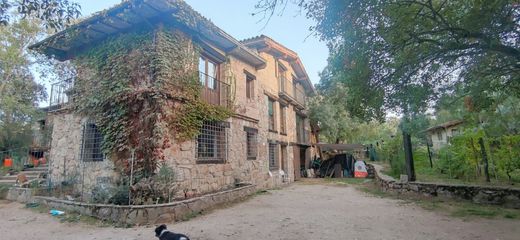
[[410, 171], [484, 158], [475, 155], [429, 154]]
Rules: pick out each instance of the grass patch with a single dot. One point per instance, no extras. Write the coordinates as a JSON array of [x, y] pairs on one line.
[[191, 215], [451, 207]]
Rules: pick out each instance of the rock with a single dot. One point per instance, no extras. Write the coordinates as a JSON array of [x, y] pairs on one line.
[[403, 178]]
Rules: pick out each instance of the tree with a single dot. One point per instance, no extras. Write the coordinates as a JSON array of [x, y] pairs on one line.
[[55, 14], [400, 55], [19, 91]]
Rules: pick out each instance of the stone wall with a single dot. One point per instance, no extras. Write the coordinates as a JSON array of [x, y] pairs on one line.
[[507, 197], [150, 214], [65, 165]]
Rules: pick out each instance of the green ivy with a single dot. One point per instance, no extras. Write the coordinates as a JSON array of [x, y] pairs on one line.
[[142, 88]]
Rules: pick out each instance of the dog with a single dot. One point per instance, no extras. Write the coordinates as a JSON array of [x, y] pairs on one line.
[[163, 234]]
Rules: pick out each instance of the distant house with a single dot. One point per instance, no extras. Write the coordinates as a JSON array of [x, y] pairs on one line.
[[440, 135]]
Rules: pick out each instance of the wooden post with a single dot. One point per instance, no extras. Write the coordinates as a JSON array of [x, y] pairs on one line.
[[429, 154], [484, 158], [410, 171]]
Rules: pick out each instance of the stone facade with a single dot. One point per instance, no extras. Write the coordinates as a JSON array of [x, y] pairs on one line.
[[250, 112], [65, 165]]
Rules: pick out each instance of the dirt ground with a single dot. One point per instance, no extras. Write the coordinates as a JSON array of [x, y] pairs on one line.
[[300, 211]]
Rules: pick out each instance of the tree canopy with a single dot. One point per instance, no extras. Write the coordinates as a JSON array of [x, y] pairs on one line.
[[400, 55], [55, 14]]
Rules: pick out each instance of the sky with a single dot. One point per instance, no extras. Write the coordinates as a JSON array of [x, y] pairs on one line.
[[234, 17]]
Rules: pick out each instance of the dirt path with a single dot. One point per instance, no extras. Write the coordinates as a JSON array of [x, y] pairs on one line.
[[297, 212]]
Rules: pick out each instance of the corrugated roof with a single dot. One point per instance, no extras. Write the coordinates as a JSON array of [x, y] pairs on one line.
[[340, 147], [445, 125]]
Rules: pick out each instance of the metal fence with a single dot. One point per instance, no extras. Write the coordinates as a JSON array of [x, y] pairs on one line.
[[60, 93], [19, 157]]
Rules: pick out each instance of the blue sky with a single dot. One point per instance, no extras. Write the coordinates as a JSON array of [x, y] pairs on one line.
[[234, 16]]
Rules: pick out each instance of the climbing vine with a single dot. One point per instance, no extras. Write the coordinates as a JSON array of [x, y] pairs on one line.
[[143, 90]]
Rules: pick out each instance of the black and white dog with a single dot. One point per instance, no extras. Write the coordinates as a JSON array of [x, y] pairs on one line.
[[163, 234]]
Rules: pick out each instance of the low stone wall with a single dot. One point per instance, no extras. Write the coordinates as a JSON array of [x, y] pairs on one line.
[[507, 197], [21, 195], [150, 214]]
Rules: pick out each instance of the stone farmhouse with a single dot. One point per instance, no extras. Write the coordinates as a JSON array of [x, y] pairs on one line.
[[265, 142]]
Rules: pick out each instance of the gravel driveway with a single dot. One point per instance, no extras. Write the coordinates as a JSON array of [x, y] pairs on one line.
[[300, 211]]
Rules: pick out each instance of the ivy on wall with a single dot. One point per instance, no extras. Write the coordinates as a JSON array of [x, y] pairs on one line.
[[142, 88]]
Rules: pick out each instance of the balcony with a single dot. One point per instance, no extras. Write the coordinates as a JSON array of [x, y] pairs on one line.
[[215, 92], [59, 96], [291, 94]]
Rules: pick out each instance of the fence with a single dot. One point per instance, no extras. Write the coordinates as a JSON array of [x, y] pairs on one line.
[[20, 156]]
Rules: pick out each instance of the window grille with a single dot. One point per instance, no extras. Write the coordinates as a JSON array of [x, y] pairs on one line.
[[212, 142], [252, 143], [92, 141], [273, 156]]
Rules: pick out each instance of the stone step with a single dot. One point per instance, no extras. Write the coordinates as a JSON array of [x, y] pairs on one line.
[[7, 182], [13, 177]]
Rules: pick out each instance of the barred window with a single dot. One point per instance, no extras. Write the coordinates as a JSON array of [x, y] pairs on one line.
[[92, 141], [252, 142], [273, 156], [212, 142]]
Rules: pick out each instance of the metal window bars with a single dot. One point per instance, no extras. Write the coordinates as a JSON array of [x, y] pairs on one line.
[[273, 156], [212, 142], [252, 149], [60, 93], [92, 141]]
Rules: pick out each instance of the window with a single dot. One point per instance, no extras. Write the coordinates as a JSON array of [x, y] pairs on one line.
[[91, 143], [250, 86], [273, 156], [252, 142], [271, 111], [208, 71], [212, 142], [439, 135], [283, 128]]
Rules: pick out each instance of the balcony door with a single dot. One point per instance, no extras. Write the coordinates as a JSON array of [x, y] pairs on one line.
[[209, 74]]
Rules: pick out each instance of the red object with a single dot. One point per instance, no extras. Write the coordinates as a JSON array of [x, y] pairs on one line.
[[42, 160], [35, 162], [8, 162]]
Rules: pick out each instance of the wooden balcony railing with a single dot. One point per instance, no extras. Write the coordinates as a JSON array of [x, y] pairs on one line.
[[296, 96], [214, 91]]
